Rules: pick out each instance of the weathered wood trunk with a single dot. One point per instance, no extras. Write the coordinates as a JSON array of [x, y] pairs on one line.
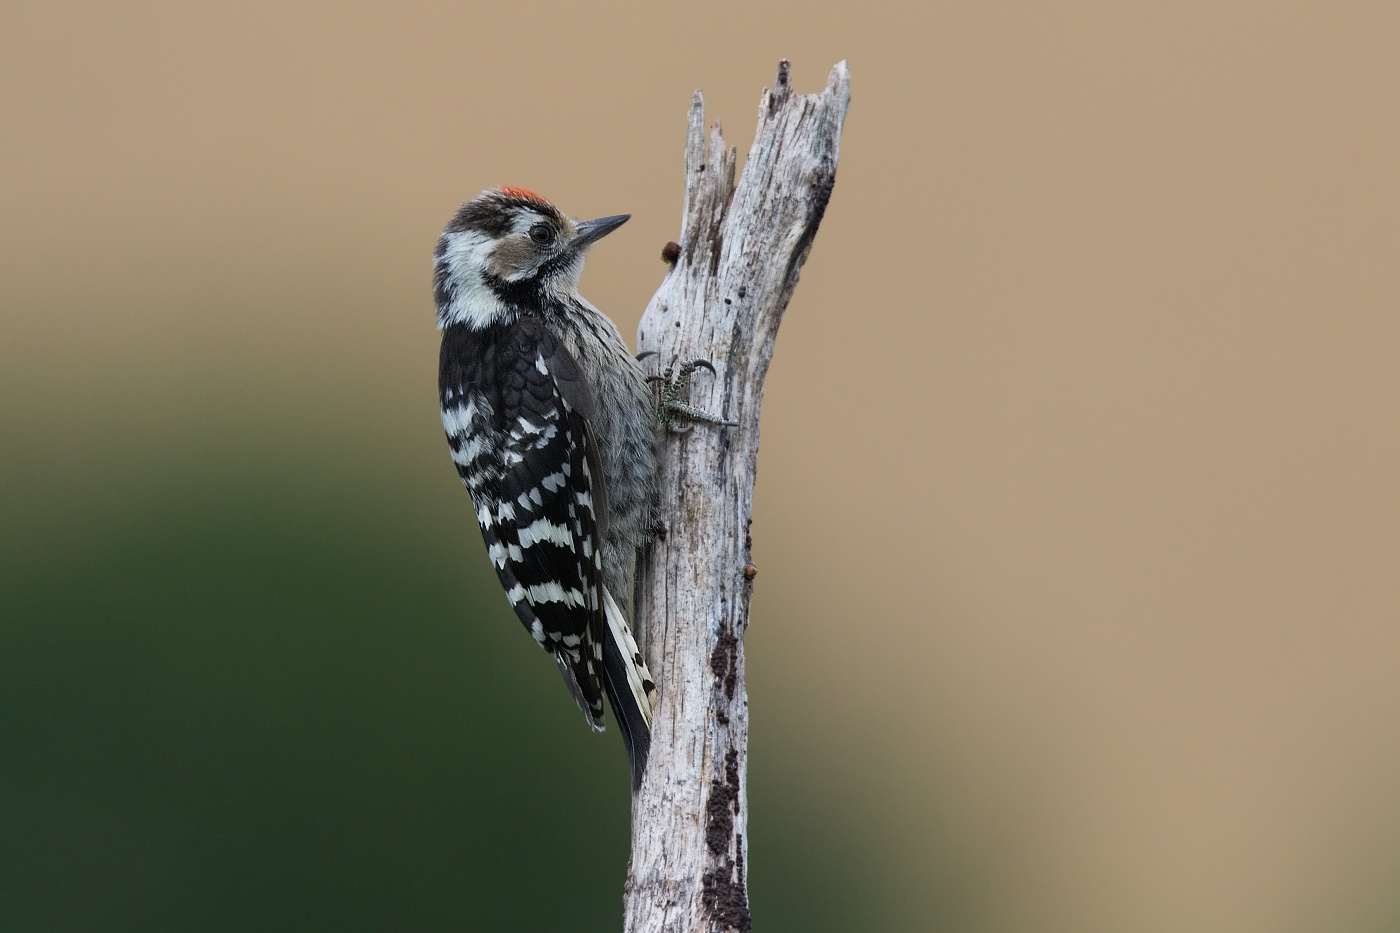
[[741, 248]]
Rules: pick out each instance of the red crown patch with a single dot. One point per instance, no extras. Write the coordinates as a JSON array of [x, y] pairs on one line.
[[524, 193]]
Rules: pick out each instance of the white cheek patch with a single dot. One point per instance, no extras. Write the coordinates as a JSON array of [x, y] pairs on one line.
[[473, 303]]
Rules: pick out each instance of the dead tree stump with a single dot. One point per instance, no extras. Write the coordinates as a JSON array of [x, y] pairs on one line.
[[740, 250]]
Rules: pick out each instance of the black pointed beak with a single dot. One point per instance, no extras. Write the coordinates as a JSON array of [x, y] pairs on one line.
[[591, 231]]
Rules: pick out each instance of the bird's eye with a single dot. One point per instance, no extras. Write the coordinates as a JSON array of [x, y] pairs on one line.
[[541, 233]]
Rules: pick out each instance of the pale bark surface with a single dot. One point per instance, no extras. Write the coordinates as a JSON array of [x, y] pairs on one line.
[[741, 248]]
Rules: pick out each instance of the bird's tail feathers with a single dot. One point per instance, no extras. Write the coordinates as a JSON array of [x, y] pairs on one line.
[[629, 685]]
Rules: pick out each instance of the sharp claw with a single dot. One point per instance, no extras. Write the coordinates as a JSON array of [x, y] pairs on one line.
[[678, 416]]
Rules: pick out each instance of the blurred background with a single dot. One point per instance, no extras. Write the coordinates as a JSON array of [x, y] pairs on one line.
[[1078, 518]]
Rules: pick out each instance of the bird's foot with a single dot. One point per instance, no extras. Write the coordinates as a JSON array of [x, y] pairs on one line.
[[678, 415]]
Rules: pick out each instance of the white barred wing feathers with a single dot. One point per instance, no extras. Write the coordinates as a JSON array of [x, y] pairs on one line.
[[516, 411]]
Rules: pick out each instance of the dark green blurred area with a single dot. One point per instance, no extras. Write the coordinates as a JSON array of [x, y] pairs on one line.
[[261, 700]]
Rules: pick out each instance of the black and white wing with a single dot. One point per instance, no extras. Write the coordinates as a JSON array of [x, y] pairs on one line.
[[518, 413], [516, 410]]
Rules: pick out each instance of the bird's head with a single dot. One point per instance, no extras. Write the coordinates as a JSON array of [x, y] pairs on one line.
[[506, 251]]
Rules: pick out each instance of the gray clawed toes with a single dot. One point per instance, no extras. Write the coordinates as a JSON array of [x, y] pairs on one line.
[[675, 414], [680, 411]]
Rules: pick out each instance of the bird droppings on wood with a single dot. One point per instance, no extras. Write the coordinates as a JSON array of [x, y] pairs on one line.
[[724, 662], [723, 890], [723, 895], [721, 806]]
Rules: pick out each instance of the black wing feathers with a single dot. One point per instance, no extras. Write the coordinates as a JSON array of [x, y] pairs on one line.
[[540, 531]]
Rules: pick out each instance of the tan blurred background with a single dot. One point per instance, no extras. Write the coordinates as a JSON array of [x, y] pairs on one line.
[[1080, 495]]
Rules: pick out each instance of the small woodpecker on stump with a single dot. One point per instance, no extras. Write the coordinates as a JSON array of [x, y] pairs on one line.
[[554, 431]]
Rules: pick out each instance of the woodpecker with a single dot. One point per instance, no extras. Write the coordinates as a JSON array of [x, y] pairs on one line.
[[552, 427]]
